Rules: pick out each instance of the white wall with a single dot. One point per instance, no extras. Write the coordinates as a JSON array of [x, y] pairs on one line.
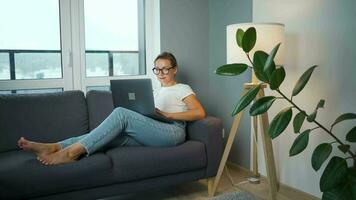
[[318, 32]]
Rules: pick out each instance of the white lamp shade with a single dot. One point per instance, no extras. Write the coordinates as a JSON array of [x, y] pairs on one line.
[[268, 36]]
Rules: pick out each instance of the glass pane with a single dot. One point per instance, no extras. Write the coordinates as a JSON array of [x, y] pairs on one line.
[[28, 30], [5, 92], [38, 65], [97, 64], [4, 66], [111, 25], [126, 64], [32, 91], [29, 24], [102, 88]]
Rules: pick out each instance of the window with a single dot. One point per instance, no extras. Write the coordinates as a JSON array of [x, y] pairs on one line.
[[4, 66], [102, 88], [31, 91], [84, 44], [27, 50], [114, 40], [5, 92], [105, 38], [37, 64]]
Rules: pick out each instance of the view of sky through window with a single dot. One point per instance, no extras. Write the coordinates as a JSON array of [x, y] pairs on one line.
[[29, 24], [32, 28], [111, 25], [29, 27]]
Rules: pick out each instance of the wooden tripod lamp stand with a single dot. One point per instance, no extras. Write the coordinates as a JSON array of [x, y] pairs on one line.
[[268, 35]]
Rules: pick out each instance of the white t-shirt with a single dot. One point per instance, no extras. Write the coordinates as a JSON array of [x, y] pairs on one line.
[[170, 99]]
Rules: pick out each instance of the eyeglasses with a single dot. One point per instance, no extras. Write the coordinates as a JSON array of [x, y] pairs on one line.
[[164, 70]]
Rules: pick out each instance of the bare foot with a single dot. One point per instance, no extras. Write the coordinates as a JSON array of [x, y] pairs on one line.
[[38, 148], [67, 155]]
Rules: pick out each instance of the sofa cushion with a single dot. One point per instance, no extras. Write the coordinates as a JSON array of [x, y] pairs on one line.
[[22, 176], [100, 105], [134, 163], [42, 117]]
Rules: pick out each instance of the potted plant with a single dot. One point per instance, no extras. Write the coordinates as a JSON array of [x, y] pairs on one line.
[[338, 180]]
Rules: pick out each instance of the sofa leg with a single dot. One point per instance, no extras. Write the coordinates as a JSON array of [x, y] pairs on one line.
[[210, 186]]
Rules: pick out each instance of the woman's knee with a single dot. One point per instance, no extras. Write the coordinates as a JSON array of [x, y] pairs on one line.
[[118, 111], [121, 112]]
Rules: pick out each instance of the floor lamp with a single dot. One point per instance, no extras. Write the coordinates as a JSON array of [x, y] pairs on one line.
[[268, 36]]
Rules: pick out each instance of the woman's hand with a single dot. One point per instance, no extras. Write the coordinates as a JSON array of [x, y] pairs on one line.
[[165, 114]]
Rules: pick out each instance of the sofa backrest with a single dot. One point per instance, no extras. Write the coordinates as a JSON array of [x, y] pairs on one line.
[[100, 105], [46, 117]]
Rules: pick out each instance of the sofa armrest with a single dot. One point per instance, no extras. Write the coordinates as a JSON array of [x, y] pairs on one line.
[[209, 132]]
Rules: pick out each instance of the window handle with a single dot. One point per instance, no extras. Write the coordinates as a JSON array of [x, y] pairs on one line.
[[70, 59]]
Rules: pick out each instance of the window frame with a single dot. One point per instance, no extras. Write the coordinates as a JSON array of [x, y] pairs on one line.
[[103, 81], [73, 49]]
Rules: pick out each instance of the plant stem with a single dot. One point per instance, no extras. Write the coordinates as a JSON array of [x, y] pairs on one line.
[[349, 158], [321, 126], [354, 158], [314, 128], [248, 56], [333, 142]]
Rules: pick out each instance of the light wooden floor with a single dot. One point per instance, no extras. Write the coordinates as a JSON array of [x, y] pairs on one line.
[[198, 190]]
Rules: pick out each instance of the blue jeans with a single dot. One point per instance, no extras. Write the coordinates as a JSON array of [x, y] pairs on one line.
[[128, 128]]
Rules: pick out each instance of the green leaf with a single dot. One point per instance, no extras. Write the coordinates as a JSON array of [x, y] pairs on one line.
[[246, 99], [341, 192], [351, 135], [303, 80], [321, 104], [298, 121], [280, 122], [352, 178], [269, 66], [334, 174], [344, 191], [277, 78], [300, 143], [239, 35], [344, 148], [259, 60], [312, 116], [320, 154], [231, 69], [249, 39], [343, 117], [262, 105]]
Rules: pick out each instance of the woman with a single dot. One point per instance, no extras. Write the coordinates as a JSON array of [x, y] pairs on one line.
[[173, 100]]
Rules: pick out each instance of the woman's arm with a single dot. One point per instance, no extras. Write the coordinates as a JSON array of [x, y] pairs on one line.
[[195, 110]]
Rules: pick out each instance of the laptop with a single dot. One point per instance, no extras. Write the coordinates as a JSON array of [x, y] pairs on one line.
[[136, 95]]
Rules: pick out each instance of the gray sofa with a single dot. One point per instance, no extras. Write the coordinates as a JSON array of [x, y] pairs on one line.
[[112, 171]]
